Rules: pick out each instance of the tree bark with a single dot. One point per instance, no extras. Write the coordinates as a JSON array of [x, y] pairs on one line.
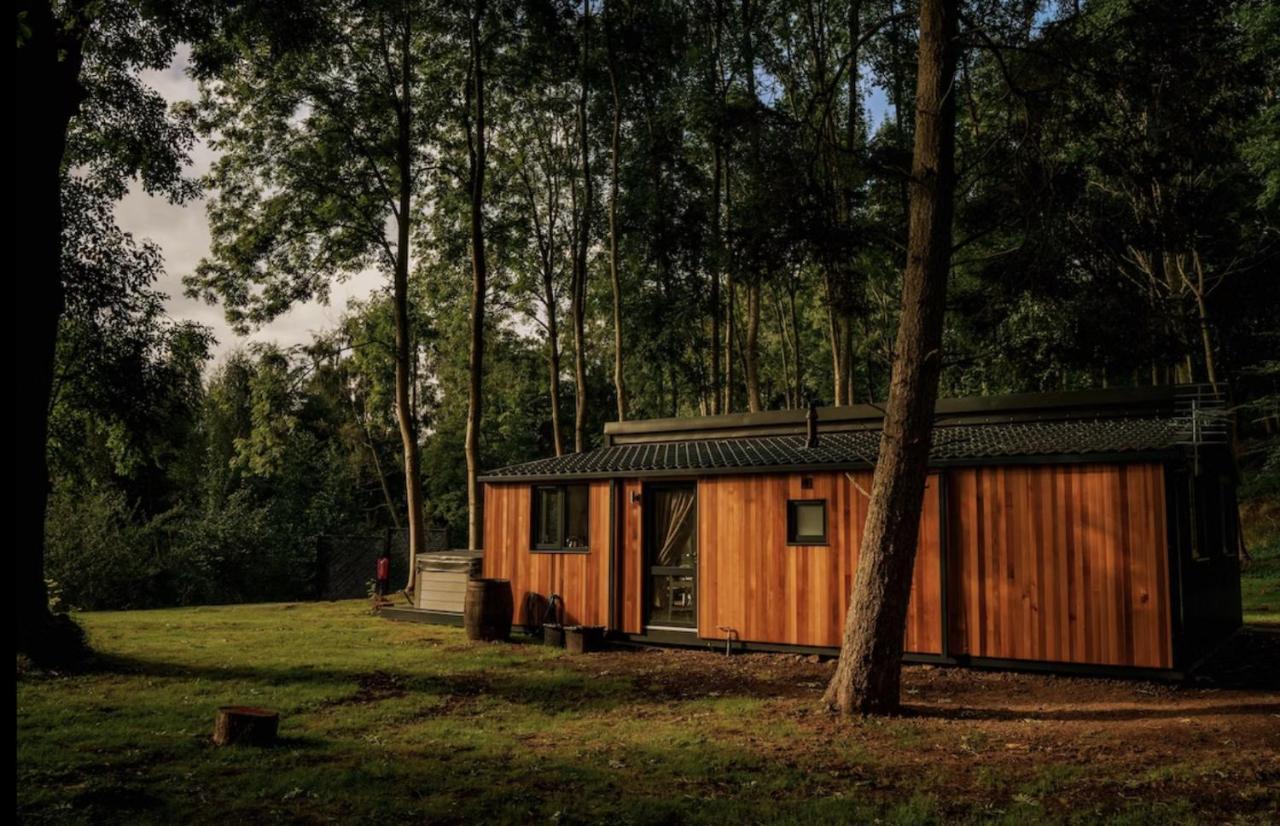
[[479, 285], [730, 304], [405, 412], [867, 678], [751, 352], [753, 347], [1206, 330], [579, 299], [717, 239], [715, 279], [615, 146], [48, 96], [553, 354]]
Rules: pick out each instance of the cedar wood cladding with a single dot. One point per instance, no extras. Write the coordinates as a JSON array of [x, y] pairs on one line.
[[1055, 563], [581, 579], [1061, 563], [751, 580]]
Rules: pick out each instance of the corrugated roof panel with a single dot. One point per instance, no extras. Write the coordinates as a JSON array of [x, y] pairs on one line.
[[950, 443]]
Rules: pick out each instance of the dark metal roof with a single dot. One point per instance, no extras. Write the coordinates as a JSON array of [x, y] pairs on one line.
[[849, 449]]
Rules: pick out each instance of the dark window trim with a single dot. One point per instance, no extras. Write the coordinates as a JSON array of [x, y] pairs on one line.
[[1212, 489], [793, 538], [535, 511]]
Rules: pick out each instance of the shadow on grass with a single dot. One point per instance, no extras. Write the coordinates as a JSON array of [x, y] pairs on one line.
[[545, 687]]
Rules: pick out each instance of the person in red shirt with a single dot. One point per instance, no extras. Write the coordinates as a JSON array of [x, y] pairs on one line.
[[384, 573]]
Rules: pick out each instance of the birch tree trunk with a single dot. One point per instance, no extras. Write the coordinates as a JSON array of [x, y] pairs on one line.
[[867, 678]]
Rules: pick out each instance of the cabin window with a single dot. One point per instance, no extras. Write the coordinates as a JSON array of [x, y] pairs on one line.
[[807, 522], [1213, 513], [560, 517]]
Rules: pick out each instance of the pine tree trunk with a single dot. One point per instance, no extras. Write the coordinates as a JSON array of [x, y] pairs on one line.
[[52, 54], [479, 287], [867, 678]]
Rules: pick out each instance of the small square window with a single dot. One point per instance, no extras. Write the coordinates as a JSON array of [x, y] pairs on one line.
[[807, 522], [560, 518]]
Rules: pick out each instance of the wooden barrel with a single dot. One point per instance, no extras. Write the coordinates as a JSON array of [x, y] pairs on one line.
[[486, 613]]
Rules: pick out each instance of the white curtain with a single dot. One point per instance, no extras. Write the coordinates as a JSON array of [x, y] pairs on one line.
[[673, 511]]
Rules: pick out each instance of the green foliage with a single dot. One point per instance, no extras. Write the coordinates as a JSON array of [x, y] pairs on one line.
[[1110, 157]]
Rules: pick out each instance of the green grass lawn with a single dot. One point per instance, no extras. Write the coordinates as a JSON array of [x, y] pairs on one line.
[[1260, 579], [411, 723]]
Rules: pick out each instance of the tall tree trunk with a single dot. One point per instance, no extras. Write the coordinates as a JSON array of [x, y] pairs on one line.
[[867, 678], [753, 347], [716, 255], [1206, 331], [580, 254], [615, 146], [834, 336], [553, 353], [797, 356], [717, 239], [49, 95], [730, 303], [784, 339], [751, 351], [479, 286], [405, 411], [358, 411], [846, 359]]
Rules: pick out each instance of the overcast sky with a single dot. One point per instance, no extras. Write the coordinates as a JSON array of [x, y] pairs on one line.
[[183, 234]]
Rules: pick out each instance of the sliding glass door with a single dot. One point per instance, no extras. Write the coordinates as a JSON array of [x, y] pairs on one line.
[[671, 550]]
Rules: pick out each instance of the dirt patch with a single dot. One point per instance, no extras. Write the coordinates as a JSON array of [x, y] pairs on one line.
[[1078, 743], [680, 674], [373, 687]]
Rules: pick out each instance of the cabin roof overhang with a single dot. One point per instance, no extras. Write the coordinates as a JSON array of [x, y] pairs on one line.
[[1097, 426]]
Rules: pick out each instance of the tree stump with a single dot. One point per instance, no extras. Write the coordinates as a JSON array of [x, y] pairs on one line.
[[245, 725]]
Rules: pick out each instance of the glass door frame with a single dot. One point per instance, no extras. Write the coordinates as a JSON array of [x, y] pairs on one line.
[[650, 570]]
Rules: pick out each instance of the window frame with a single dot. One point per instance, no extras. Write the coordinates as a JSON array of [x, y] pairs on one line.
[[563, 514], [1211, 489], [794, 539]]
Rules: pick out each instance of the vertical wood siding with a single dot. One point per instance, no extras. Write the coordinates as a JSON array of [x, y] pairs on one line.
[[750, 580], [1060, 563], [630, 600], [1055, 563], [581, 579]]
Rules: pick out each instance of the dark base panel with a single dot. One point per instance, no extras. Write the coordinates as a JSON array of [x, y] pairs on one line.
[[407, 614], [677, 639], [669, 638]]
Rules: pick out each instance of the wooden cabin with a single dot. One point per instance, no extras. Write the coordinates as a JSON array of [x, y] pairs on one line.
[[1076, 532]]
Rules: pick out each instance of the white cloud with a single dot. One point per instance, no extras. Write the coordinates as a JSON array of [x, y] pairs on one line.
[[182, 232]]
